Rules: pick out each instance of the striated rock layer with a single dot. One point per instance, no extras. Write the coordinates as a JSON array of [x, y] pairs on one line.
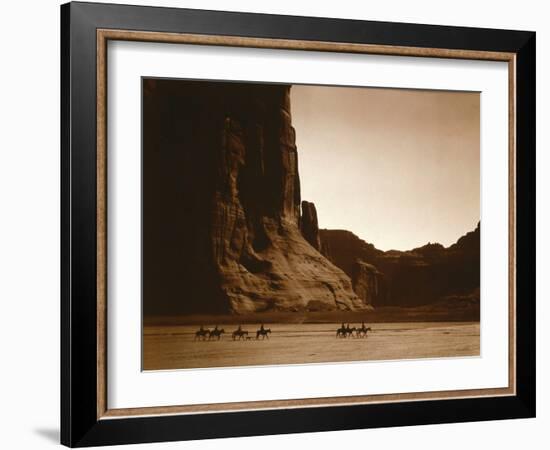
[[222, 205]]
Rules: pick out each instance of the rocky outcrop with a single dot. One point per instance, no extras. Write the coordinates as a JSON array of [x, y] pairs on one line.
[[325, 249], [309, 225], [469, 243], [368, 283], [422, 276], [344, 248], [222, 225]]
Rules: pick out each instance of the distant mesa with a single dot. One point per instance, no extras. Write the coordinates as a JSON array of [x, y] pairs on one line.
[[421, 276]]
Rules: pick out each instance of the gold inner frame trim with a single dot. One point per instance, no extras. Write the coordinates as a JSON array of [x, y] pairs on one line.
[[103, 36]]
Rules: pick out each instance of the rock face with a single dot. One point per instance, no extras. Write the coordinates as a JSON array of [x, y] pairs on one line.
[[368, 283], [422, 276], [344, 248], [222, 225], [309, 225]]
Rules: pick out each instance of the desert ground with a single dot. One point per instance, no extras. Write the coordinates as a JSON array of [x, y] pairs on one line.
[[168, 346]]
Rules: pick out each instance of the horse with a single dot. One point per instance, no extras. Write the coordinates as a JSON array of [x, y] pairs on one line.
[[263, 332], [350, 331], [239, 334], [341, 332], [217, 333], [362, 332], [345, 331], [202, 334]]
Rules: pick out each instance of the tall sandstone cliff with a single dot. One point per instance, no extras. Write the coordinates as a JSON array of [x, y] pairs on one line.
[[222, 216]]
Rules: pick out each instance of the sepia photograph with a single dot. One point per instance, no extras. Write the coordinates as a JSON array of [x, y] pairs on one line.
[[298, 224]]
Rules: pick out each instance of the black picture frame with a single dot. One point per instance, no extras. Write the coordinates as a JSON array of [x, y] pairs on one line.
[[80, 425]]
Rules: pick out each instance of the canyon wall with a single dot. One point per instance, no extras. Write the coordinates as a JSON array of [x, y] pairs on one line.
[[421, 276], [224, 226]]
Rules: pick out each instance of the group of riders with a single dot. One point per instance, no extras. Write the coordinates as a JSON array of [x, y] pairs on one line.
[[346, 331], [238, 334]]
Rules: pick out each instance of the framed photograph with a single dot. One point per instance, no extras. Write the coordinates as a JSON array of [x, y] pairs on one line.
[[277, 224]]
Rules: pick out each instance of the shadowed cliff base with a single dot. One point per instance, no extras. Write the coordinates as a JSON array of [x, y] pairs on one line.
[[465, 310]]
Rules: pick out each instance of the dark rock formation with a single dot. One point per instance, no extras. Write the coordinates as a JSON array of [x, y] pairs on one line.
[[421, 276], [469, 243], [309, 225], [344, 248], [325, 249], [368, 283], [221, 205]]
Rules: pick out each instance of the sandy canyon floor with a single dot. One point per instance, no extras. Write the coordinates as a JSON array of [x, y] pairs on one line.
[[175, 347]]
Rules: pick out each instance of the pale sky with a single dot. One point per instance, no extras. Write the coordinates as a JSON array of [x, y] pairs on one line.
[[399, 168]]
